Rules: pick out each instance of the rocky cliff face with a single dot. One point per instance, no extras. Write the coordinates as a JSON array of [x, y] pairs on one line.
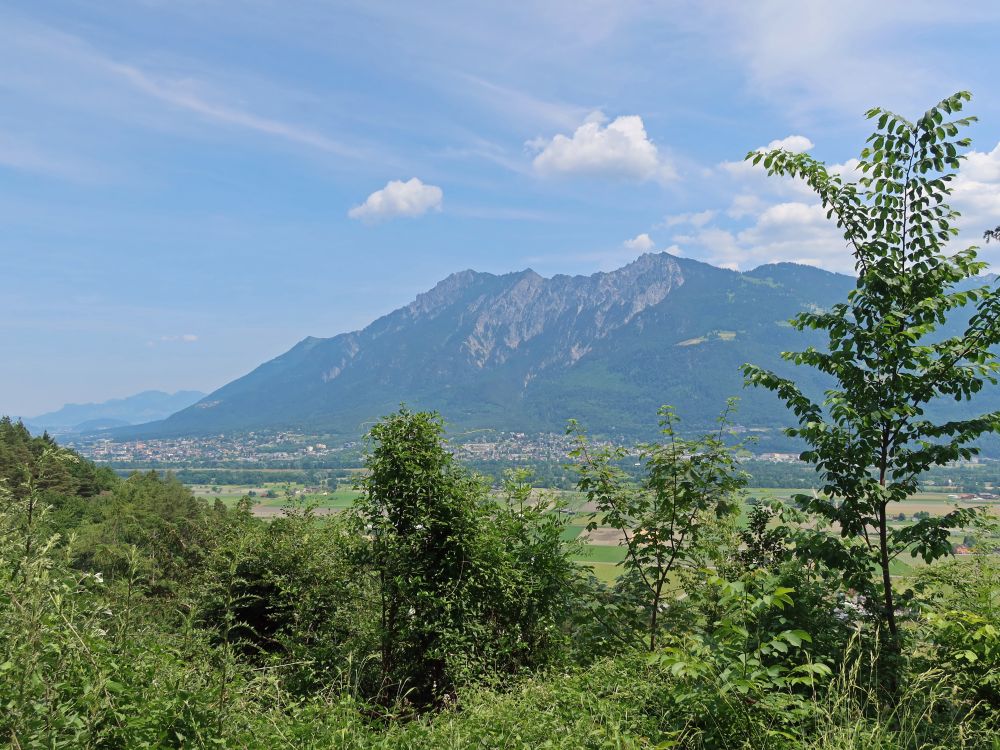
[[575, 311], [520, 351]]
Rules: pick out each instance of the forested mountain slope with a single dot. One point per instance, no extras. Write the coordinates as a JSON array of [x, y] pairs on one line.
[[523, 352]]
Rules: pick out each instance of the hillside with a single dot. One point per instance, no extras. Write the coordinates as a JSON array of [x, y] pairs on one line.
[[522, 352]]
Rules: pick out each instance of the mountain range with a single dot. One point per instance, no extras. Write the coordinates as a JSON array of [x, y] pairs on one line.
[[142, 407], [520, 352]]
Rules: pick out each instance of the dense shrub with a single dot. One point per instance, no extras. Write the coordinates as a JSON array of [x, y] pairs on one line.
[[287, 596], [465, 585]]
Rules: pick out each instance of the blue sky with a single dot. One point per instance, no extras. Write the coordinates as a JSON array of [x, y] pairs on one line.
[[189, 187]]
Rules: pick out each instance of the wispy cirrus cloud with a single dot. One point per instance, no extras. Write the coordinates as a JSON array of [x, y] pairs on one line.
[[58, 68], [694, 218], [172, 338], [520, 106], [786, 50], [183, 94]]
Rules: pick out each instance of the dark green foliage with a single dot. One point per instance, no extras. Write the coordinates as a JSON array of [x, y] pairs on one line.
[[82, 667], [464, 585], [36, 464], [761, 546], [157, 515], [421, 513], [960, 603], [525, 580], [286, 594], [752, 655]]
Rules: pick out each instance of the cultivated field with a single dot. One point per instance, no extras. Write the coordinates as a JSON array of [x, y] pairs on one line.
[[602, 547]]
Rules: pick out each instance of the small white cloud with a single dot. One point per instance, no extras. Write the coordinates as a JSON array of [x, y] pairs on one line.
[[620, 149], [797, 144], [742, 169], [186, 338], [757, 189], [398, 198], [642, 243]]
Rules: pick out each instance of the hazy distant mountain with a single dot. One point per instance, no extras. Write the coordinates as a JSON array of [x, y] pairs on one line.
[[147, 406]]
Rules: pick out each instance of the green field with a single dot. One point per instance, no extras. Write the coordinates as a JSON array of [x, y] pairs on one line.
[[603, 554], [284, 493]]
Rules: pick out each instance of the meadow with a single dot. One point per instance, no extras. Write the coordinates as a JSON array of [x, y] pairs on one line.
[[600, 549]]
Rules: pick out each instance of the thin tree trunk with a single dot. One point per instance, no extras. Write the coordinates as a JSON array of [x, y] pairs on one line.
[[890, 606], [654, 614], [883, 541]]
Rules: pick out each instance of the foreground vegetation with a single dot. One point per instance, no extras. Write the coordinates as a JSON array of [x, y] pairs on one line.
[[135, 615], [435, 613]]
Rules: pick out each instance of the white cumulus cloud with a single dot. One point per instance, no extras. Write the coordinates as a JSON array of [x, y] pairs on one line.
[[642, 243], [745, 204], [791, 231], [848, 171], [398, 198], [982, 166], [797, 144], [598, 148], [976, 194]]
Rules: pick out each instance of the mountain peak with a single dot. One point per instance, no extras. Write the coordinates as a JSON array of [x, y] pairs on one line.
[[445, 291], [524, 352]]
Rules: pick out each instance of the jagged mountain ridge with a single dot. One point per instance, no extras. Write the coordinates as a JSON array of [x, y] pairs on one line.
[[522, 352]]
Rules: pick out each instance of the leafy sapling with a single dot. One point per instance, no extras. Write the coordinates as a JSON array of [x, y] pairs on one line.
[[659, 518], [874, 435]]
